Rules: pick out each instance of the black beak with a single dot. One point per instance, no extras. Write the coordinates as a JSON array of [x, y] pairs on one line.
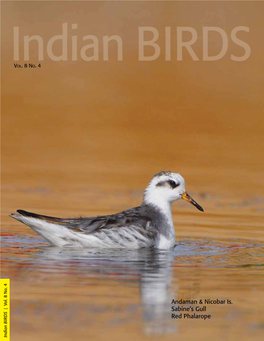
[[185, 196]]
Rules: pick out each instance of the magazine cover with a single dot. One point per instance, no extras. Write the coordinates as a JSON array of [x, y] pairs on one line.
[[132, 170]]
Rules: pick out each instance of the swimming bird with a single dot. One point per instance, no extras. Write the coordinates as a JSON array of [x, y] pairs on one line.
[[145, 226]]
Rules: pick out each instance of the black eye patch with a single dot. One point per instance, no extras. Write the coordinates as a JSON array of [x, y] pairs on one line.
[[173, 184], [161, 183]]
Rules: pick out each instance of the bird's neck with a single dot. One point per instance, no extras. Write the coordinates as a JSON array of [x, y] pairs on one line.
[[162, 205]]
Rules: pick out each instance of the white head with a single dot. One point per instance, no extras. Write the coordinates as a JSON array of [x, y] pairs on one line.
[[166, 187]]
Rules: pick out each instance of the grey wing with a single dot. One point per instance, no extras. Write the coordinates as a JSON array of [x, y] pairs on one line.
[[131, 219], [132, 228], [134, 218]]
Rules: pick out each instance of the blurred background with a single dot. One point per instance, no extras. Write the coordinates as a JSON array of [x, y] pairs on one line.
[[105, 122], [85, 138]]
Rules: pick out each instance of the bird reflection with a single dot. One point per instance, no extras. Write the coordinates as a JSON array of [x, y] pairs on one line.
[[151, 268], [156, 295]]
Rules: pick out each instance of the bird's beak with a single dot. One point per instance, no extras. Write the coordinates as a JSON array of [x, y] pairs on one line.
[[187, 197]]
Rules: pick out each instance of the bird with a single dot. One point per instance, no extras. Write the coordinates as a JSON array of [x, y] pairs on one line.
[[149, 225]]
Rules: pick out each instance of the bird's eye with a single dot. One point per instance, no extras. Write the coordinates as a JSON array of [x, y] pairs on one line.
[[173, 184]]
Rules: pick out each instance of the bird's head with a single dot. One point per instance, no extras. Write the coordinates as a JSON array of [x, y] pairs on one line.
[[167, 187]]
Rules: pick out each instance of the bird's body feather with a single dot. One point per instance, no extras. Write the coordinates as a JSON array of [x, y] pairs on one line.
[[148, 225], [134, 228]]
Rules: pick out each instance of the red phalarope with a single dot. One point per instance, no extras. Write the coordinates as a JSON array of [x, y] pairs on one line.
[[148, 225]]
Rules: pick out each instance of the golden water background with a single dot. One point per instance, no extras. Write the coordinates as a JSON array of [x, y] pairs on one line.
[[84, 138]]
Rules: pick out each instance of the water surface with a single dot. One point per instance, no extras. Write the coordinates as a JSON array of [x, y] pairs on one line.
[[74, 291]]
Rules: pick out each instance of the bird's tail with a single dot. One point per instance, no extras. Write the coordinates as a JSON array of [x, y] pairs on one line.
[[52, 229]]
